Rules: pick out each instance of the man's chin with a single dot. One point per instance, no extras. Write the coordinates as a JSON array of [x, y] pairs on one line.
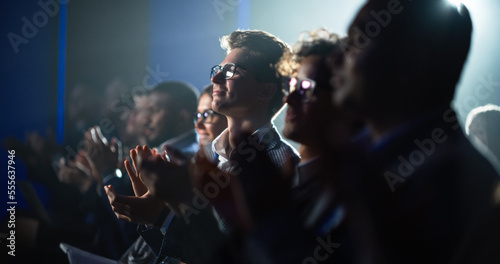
[[204, 140], [289, 131], [219, 108]]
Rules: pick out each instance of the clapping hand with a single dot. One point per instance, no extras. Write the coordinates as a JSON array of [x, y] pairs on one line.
[[143, 208], [106, 156]]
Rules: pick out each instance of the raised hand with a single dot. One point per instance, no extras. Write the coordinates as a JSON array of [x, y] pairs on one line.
[[166, 176], [134, 173], [105, 155], [76, 174], [153, 180]]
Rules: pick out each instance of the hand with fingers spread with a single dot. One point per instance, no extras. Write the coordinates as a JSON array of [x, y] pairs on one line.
[[145, 209], [134, 173], [166, 175], [105, 155], [82, 159], [75, 173]]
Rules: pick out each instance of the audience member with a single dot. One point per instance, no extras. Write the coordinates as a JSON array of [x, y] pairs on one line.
[[434, 185], [169, 123], [135, 131], [214, 182], [247, 89], [209, 124], [324, 186]]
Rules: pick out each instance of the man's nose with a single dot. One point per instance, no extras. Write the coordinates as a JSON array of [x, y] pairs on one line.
[[199, 123], [218, 78], [293, 98]]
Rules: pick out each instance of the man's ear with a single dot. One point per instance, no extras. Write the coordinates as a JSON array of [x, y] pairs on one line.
[[267, 91]]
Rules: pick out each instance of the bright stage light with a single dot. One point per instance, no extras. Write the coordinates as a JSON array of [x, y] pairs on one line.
[[455, 2]]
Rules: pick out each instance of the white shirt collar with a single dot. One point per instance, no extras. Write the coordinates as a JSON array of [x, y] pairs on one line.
[[220, 145]]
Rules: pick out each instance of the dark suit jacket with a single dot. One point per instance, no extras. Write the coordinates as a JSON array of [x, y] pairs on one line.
[[257, 164], [433, 186]]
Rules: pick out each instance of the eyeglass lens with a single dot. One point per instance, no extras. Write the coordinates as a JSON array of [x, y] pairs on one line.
[[206, 116], [304, 87], [227, 70]]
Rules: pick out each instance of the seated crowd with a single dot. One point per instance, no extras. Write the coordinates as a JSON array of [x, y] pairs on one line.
[[383, 174]]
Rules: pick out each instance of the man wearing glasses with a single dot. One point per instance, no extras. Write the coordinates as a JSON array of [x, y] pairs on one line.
[[248, 91], [313, 121], [321, 188], [209, 124]]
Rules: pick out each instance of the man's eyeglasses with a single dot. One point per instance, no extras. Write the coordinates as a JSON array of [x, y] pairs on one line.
[[206, 116], [305, 87], [227, 70]]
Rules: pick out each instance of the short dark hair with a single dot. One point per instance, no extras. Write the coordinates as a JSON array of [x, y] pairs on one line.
[[184, 96], [264, 51], [440, 29]]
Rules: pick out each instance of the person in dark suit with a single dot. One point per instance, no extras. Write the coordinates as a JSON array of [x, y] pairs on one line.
[[248, 156], [403, 60], [312, 120], [324, 194], [168, 121]]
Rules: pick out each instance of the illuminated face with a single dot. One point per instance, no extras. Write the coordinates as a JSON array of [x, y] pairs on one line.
[[306, 119], [209, 131], [237, 96]]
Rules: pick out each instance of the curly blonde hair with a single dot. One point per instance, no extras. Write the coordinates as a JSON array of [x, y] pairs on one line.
[[316, 42]]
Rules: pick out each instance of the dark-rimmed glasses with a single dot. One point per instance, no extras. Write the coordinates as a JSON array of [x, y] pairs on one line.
[[206, 116], [227, 70], [305, 87]]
